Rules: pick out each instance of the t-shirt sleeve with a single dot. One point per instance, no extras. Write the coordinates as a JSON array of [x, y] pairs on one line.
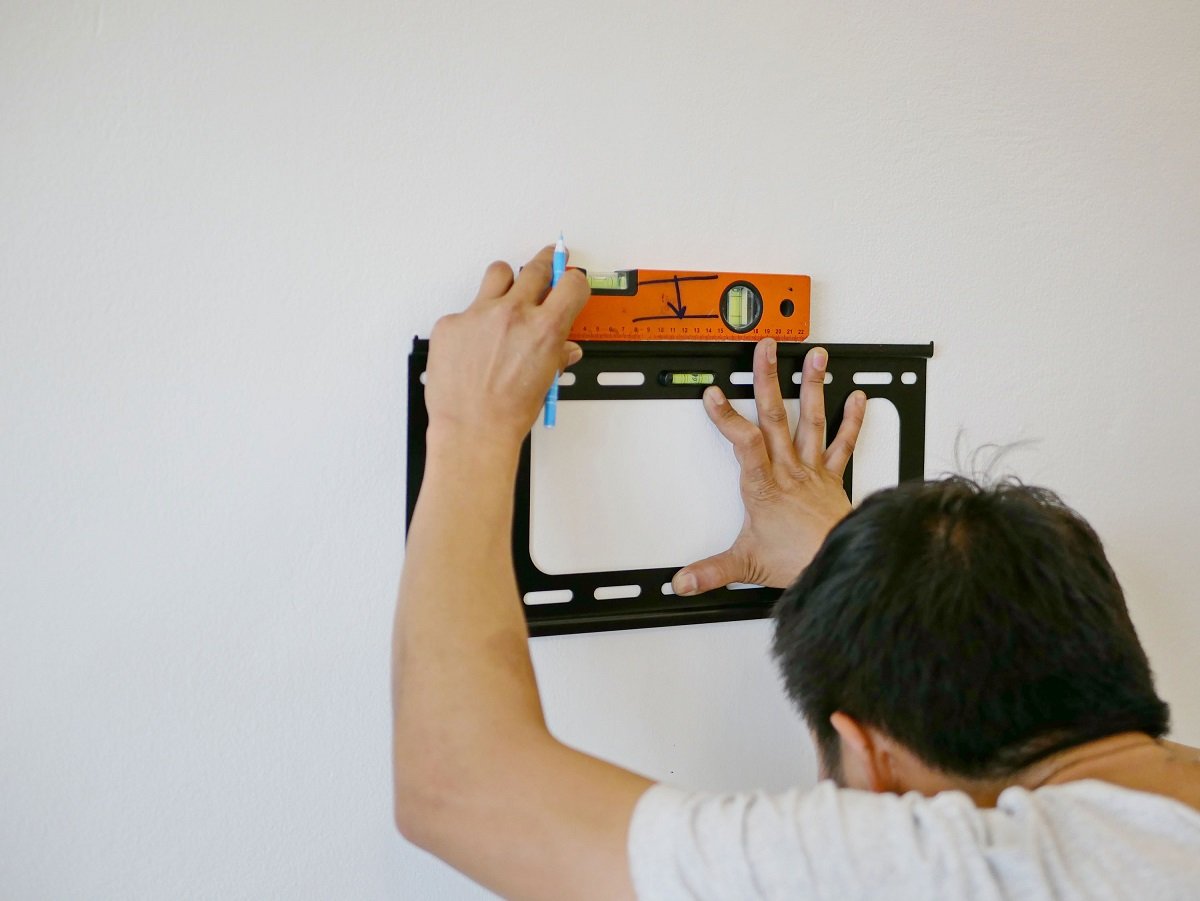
[[823, 843]]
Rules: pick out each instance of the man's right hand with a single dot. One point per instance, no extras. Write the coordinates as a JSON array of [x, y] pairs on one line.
[[792, 490]]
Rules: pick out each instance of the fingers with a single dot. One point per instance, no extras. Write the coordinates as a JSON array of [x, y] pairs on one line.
[[533, 281], [567, 299], [712, 572], [810, 435], [772, 415], [497, 279], [748, 444], [842, 447]]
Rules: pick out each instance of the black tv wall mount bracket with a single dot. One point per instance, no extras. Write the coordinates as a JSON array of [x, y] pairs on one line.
[[900, 379]]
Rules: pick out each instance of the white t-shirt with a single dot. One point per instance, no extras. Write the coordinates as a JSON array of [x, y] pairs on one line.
[[1084, 839]]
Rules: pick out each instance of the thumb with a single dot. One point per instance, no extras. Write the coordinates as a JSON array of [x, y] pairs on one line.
[[712, 572], [572, 354]]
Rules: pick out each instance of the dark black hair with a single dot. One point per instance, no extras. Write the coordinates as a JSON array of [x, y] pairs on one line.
[[983, 628]]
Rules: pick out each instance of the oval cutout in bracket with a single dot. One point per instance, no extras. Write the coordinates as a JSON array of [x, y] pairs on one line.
[[554, 596], [616, 592], [872, 378], [798, 377], [618, 379]]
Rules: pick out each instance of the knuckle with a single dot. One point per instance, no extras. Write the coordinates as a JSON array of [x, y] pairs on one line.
[[549, 323], [498, 267], [506, 314], [774, 414], [750, 440], [761, 490], [547, 332], [816, 420], [443, 325]]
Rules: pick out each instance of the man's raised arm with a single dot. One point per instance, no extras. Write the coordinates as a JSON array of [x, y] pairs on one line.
[[479, 780]]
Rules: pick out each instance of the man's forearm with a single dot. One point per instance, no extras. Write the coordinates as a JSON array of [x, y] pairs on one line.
[[462, 677], [479, 780]]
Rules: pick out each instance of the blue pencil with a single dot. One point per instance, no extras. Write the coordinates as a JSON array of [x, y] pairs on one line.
[[550, 416]]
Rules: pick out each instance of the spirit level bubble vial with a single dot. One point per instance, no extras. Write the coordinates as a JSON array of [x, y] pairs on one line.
[[667, 305]]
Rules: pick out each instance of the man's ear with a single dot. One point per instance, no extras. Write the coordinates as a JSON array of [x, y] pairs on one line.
[[866, 758]]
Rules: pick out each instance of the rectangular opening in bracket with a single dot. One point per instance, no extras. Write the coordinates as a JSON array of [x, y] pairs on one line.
[[632, 484], [636, 484], [877, 453]]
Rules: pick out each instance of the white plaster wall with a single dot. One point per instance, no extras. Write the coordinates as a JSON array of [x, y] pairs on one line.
[[222, 222]]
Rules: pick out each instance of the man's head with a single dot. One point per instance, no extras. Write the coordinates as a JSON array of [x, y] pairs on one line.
[[980, 629]]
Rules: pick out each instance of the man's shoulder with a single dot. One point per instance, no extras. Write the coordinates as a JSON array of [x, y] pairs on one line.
[[1057, 840], [1100, 801]]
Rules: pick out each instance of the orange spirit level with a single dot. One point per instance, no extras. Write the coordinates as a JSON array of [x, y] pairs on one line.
[[664, 305]]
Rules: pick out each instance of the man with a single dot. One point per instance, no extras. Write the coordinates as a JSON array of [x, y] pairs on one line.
[[963, 657]]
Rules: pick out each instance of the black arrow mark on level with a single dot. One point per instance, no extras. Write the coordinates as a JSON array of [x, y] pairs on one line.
[[678, 308]]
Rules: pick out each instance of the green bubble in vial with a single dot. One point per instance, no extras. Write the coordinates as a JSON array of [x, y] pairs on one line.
[[608, 281], [739, 307]]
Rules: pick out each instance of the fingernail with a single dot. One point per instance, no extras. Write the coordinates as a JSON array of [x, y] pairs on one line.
[[685, 584], [770, 342], [714, 396], [574, 355], [819, 358]]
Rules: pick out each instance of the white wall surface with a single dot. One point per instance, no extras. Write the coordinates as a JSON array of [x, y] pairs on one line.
[[222, 222]]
